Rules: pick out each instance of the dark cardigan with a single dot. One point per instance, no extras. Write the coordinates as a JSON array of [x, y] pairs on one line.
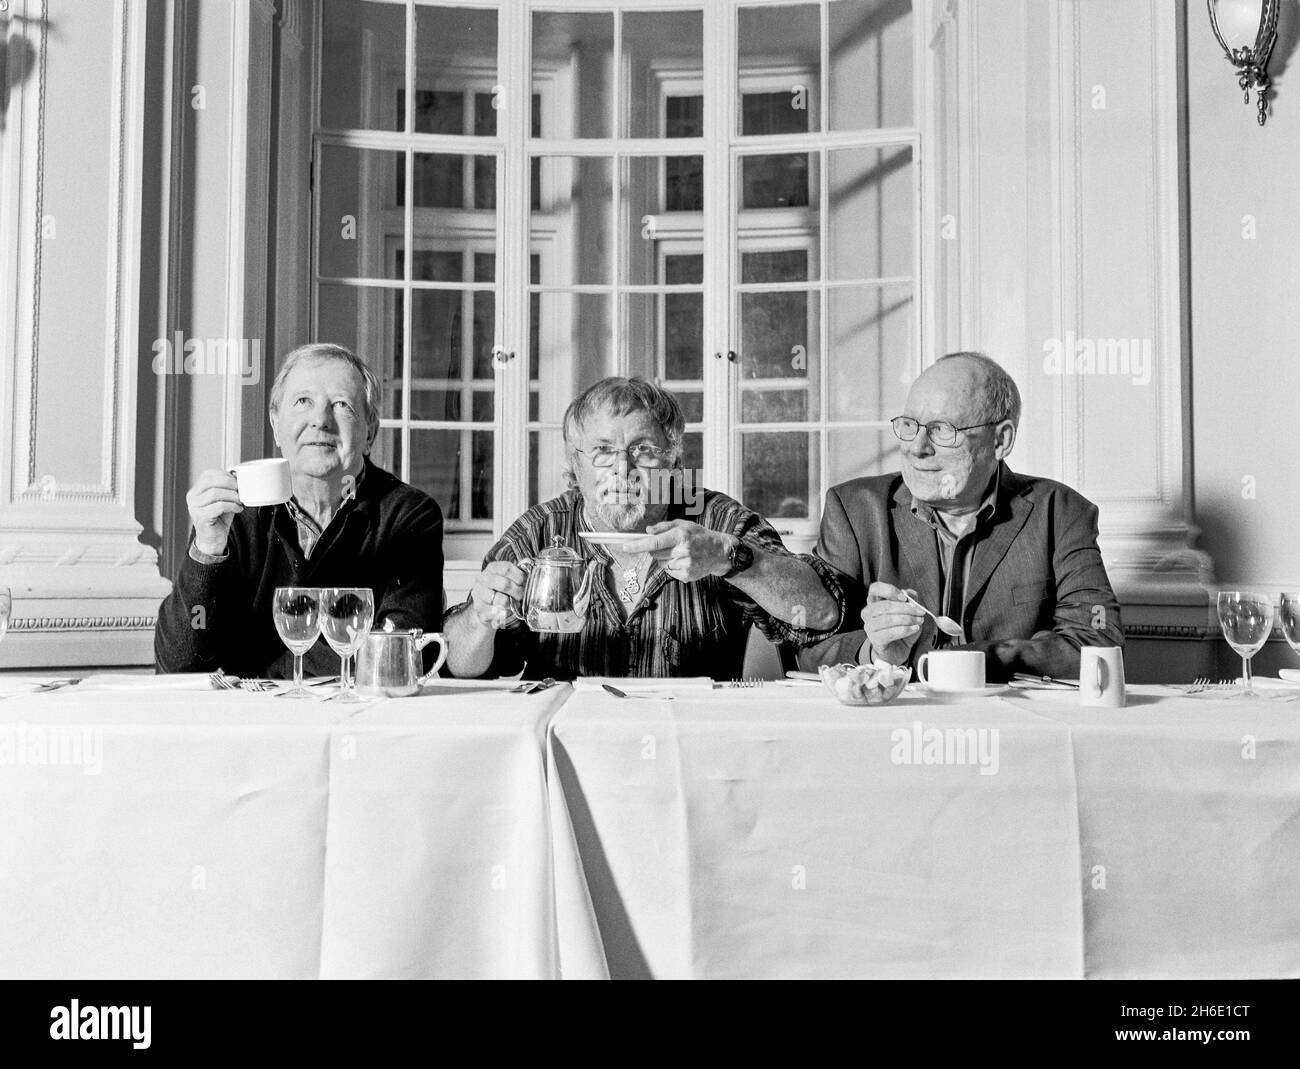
[[388, 538]]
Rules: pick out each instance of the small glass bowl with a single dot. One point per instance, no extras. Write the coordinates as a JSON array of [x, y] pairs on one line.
[[864, 684]]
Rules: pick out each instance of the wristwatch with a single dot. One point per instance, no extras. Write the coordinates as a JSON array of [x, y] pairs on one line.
[[740, 557]]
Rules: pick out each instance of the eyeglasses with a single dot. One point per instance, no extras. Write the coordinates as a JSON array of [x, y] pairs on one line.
[[941, 432], [643, 455]]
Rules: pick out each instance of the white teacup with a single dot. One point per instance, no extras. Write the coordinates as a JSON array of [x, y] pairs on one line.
[[1101, 676], [951, 669], [263, 482]]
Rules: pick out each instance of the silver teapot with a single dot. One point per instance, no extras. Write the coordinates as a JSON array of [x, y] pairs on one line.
[[389, 662], [558, 589]]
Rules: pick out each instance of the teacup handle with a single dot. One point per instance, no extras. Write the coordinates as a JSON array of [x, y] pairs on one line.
[[424, 640], [922, 666]]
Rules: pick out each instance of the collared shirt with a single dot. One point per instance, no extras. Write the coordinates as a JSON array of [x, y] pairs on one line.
[[309, 531], [957, 552], [675, 629]]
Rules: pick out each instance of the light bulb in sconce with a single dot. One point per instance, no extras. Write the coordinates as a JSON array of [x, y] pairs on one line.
[[1246, 31]]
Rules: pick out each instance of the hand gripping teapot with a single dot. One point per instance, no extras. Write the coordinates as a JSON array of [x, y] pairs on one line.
[[558, 589]]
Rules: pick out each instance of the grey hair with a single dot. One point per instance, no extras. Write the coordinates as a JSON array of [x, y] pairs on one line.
[[620, 396], [1000, 397], [326, 351]]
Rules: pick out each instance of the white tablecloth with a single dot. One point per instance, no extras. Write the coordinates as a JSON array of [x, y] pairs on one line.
[[771, 833], [153, 832]]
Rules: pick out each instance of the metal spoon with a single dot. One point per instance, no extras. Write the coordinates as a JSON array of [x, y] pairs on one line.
[[644, 697], [946, 624]]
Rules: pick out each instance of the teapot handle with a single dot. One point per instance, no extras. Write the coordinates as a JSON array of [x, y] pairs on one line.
[[513, 608]]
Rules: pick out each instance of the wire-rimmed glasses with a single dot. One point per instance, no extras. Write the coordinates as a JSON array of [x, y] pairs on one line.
[[642, 455], [939, 431], [1247, 620]]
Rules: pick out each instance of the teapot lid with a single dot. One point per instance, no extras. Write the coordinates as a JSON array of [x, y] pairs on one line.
[[558, 553], [390, 629]]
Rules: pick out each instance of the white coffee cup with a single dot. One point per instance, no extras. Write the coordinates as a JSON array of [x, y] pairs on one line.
[[263, 482], [1101, 676], [951, 669]]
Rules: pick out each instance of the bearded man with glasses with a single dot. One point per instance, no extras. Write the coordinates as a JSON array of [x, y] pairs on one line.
[[675, 601], [1013, 559]]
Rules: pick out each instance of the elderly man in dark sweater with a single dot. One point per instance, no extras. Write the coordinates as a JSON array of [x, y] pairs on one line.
[[348, 523]]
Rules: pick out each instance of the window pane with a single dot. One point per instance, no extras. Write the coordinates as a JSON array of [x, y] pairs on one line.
[[772, 113], [437, 111], [357, 223], [647, 330], [779, 472], [655, 43], [366, 319], [577, 48], [574, 347], [646, 190], [443, 180], [860, 451], [869, 229], [453, 47], [777, 265], [780, 53], [683, 318], [692, 402], [546, 465], [387, 450], [871, 64], [873, 358], [363, 50], [779, 349], [784, 181], [577, 213], [437, 469]]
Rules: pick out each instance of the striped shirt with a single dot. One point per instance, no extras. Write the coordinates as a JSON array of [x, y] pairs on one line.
[[675, 629]]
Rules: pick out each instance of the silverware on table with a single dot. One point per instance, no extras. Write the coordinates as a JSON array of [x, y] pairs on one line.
[[535, 686], [1047, 682], [643, 697]]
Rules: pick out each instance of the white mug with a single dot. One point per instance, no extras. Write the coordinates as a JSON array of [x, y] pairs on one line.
[[1101, 676], [951, 669], [263, 482]]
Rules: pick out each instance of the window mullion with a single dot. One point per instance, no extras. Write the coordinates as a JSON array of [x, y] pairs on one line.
[[719, 211], [510, 493]]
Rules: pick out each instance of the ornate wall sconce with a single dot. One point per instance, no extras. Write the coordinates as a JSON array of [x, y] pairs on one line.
[[1247, 31]]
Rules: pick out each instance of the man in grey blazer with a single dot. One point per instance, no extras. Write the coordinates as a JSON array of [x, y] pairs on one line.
[[1012, 558]]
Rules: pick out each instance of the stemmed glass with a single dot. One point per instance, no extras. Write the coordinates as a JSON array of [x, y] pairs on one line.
[[6, 606], [1247, 621], [297, 619], [346, 615], [1289, 618]]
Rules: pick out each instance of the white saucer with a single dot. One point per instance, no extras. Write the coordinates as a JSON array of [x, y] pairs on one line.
[[989, 690], [611, 538]]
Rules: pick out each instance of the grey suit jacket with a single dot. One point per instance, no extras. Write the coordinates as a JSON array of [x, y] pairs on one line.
[[1037, 590]]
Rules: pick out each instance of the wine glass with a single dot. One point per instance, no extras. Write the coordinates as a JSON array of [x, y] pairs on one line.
[[1289, 618], [6, 606], [1247, 621], [346, 615], [297, 619]]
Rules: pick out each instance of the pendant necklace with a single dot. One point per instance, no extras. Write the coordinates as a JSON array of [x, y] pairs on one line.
[[631, 587]]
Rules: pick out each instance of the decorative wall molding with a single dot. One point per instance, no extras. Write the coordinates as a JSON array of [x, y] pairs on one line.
[[34, 625], [85, 586]]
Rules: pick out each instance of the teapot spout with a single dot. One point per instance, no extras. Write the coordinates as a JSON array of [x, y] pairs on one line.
[[583, 598]]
